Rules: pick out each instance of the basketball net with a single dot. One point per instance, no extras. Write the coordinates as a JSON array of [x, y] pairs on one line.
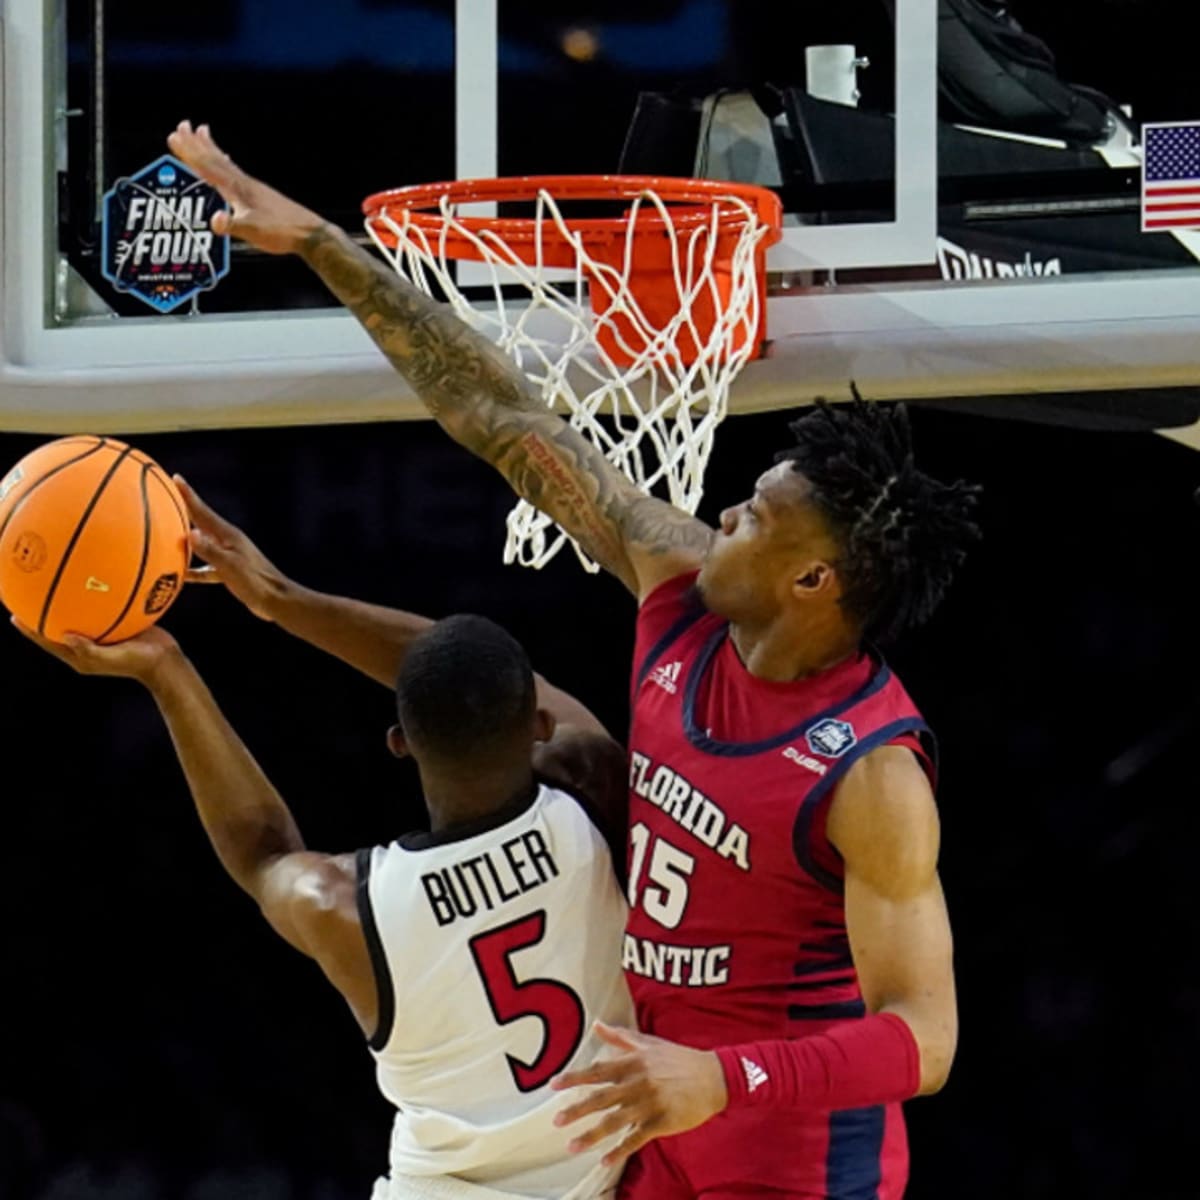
[[658, 361]]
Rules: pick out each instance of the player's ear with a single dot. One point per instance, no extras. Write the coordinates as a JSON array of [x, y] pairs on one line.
[[811, 579], [544, 725], [396, 742]]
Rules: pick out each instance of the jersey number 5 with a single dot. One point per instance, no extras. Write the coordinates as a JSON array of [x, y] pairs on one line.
[[554, 1004]]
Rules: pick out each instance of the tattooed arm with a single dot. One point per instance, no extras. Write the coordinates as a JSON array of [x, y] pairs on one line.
[[476, 394], [484, 402]]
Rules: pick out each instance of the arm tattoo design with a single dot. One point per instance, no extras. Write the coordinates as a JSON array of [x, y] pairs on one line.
[[484, 402], [448, 364]]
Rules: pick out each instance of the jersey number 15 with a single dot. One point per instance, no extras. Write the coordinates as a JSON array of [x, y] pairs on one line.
[[664, 890]]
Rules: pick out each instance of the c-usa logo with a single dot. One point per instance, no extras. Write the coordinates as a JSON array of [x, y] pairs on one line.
[[831, 738]]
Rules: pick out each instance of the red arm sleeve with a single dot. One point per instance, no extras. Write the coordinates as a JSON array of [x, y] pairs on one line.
[[853, 1065]]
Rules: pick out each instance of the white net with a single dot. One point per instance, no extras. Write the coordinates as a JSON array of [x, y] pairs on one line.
[[662, 381]]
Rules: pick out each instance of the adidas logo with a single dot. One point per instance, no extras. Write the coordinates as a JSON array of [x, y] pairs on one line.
[[755, 1075], [667, 676]]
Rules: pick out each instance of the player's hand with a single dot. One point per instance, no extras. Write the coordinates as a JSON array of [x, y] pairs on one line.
[[141, 657], [657, 1087], [231, 557], [257, 214]]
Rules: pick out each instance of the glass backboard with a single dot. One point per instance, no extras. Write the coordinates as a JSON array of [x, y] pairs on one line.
[[945, 239]]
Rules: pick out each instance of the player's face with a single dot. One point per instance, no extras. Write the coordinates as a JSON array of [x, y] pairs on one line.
[[768, 549]]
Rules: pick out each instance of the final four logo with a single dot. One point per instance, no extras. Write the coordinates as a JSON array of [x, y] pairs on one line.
[[157, 237], [831, 738]]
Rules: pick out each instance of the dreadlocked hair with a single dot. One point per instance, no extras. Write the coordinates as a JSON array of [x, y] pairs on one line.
[[902, 533]]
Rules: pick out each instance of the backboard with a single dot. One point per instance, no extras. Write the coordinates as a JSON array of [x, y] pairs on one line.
[[927, 255]]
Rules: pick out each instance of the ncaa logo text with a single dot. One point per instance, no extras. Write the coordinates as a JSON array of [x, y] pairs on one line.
[[831, 738]]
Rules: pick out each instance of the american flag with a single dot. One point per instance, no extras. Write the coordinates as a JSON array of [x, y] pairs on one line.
[[1171, 176]]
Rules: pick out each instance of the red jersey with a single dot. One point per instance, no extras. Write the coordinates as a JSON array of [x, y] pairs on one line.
[[737, 928]]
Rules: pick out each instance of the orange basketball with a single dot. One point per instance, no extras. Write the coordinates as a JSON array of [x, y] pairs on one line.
[[93, 539]]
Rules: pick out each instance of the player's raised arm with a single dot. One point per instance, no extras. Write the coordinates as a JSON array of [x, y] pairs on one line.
[[581, 757], [369, 637], [308, 898], [476, 394]]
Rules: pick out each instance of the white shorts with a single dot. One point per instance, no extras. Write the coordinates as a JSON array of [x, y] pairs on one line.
[[447, 1187]]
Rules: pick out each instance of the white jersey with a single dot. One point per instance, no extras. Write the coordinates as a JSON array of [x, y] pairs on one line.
[[494, 953]]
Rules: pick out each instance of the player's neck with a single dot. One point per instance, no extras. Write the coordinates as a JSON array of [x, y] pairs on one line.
[[454, 798], [782, 651]]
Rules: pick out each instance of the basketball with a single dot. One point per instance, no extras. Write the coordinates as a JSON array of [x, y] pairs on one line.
[[93, 540]]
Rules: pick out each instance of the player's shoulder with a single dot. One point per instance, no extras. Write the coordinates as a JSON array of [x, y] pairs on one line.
[[313, 886], [675, 592], [578, 760], [892, 770], [591, 768], [310, 899], [665, 614], [883, 819]]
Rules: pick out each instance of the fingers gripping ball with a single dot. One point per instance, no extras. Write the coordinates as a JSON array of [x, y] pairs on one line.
[[93, 540]]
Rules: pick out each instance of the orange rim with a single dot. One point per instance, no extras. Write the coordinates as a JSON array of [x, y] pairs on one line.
[[690, 201]]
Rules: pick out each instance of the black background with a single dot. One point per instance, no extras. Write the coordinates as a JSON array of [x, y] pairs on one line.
[[159, 1041]]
